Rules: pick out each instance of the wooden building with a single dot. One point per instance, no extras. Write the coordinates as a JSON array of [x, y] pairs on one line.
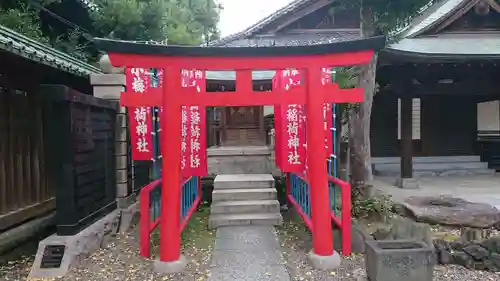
[[437, 104]]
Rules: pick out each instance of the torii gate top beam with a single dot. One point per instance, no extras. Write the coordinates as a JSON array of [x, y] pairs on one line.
[[343, 53], [244, 60]]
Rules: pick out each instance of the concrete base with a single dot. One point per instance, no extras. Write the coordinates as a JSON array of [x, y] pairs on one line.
[[324, 262], [170, 267], [125, 202], [407, 183], [129, 217], [75, 247]]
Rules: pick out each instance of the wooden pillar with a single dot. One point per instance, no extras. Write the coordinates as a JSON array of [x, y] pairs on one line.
[[406, 138]]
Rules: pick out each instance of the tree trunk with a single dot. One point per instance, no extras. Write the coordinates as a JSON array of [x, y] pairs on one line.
[[359, 123]]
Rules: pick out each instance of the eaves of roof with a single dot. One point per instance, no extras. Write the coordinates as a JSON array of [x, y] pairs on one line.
[[23, 46]]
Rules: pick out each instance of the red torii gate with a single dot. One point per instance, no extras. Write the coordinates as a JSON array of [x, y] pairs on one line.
[[311, 59]]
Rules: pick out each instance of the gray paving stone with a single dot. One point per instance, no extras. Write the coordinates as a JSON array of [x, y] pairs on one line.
[[244, 258], [250, 273], [247, 253], [246, 238]]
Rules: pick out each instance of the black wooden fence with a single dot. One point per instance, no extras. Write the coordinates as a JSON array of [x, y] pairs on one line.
[[80, 134]]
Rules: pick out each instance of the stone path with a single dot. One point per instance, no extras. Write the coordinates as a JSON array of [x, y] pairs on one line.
[[247, 253]]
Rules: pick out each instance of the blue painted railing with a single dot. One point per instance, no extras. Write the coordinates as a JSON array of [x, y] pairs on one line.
[[190, 198]]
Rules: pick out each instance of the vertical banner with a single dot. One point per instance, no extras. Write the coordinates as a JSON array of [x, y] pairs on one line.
[[140, 118], [193, 129], [292, 126]]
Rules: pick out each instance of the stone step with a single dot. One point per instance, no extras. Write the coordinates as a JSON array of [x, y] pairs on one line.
[[244, 219], [449, 173], [428, 159], [244, 194], [435, 166], [243, 181], [247, 206]]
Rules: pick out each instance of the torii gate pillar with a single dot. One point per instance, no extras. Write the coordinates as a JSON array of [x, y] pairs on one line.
[[311, 59]]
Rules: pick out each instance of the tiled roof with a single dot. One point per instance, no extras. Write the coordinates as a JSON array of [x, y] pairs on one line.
[[451, 44], [433, 15], [21, 45], [414, 42], [295, 39]]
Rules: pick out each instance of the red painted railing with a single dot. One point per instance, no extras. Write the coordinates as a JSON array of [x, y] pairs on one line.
[[298, 194], [150, 208], [344, 222]]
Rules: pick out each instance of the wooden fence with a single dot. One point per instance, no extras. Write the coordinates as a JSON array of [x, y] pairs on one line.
[[26, 189]]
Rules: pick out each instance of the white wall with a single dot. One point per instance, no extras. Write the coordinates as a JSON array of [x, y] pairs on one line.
[[488, 116], [415, 119]]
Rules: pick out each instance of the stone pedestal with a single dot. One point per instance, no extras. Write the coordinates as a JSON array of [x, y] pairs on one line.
[[407, 183], [397, 260]]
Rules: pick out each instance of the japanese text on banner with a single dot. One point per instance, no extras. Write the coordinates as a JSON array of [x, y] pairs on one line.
[[292, 132], [140, 118], [193, 130]]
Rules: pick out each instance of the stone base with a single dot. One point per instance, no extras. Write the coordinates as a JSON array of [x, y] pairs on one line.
[[70, 250], [407, 183], [170, 267], [324, 262], [129, 217], [399, 260], [125, 202]]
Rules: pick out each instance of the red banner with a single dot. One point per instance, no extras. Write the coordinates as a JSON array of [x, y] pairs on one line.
[[140, 118], [194, 131], [291, 147], [286, 79]]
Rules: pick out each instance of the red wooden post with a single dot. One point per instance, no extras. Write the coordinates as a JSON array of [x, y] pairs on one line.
[[170, 239], [318, 178]]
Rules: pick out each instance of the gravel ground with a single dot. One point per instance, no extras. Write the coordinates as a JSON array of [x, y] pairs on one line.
[[119, 260], [297, 242]]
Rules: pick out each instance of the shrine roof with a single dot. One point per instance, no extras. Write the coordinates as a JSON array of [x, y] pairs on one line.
[[21, 45], [129, 47], [449, 45], [458, 45], [294, 38]]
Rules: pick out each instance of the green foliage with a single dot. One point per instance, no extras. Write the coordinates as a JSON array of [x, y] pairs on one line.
[[387, 16], [379, 207], [24, 21], [185, 22]]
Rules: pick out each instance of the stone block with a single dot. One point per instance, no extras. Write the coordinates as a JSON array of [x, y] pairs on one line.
[[396, 260], [108, 92], [407, 229], [407, 183], [108, 79], [122, 189]]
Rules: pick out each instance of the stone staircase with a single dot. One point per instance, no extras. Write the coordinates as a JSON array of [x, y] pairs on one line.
[[244, 199], [433, 166]]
